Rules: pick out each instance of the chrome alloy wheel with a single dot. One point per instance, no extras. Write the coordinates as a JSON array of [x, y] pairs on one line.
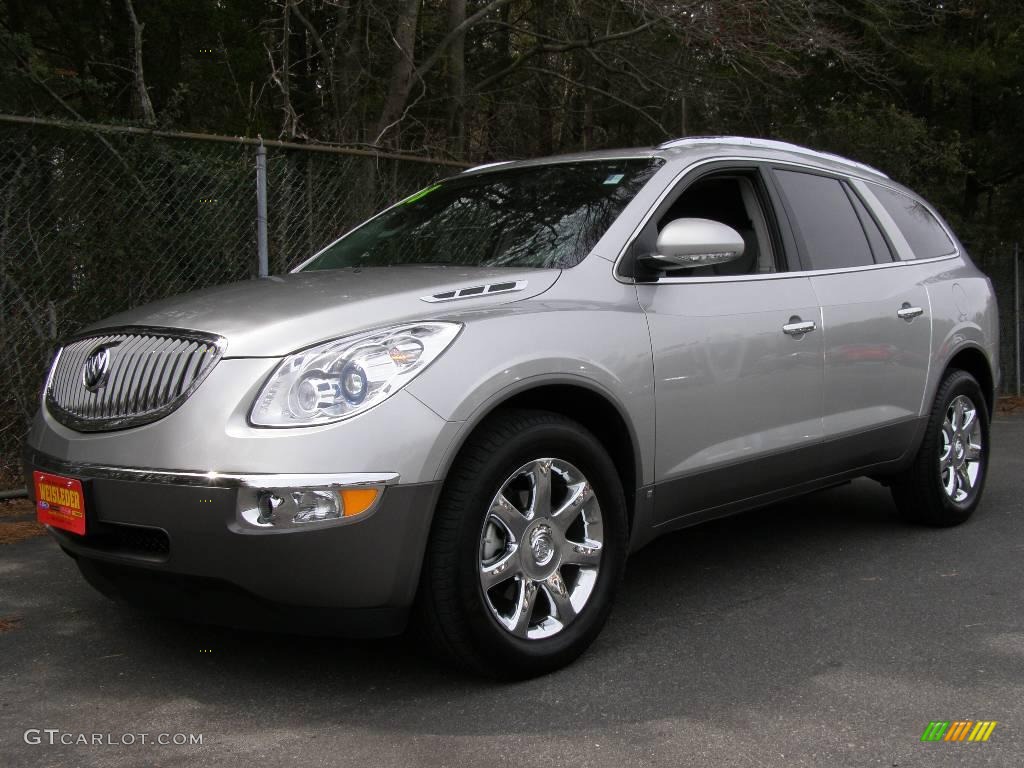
[[961, 456], [540, 548]]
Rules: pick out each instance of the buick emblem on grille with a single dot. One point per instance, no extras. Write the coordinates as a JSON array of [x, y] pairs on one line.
[[96, 368]]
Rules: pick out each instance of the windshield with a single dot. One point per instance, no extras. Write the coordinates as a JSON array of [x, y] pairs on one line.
[[534, 217]]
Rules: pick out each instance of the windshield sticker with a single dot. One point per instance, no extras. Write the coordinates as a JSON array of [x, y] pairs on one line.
[[615, 178], [423, 193]]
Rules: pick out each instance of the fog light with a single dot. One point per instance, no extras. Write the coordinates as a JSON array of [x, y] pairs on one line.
[[312, 506], [268, 502], [294, 507]]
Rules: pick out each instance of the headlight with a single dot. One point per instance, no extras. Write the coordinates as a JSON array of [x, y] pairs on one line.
[[341, 378]]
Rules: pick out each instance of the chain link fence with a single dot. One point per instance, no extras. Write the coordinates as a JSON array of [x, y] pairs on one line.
[[1005, 267], [97, 219]]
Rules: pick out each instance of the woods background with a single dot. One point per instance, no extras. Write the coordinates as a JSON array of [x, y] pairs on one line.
[[930, 92]]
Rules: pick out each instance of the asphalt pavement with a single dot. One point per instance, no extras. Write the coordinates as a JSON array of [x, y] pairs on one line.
[[821, 632]]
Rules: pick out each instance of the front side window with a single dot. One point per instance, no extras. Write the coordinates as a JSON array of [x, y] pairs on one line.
[[926, 237], [535, 217], [826, 220], [732, 197]]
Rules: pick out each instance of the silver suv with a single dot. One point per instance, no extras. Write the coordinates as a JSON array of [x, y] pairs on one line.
[[470, 409]]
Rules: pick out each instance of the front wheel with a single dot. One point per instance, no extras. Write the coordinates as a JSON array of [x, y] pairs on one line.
[[527, 547], [943, 486]]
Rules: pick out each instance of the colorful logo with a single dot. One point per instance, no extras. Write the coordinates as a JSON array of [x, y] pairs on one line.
[[959, 730]]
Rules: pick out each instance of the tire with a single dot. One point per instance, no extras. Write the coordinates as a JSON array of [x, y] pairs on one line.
[[944, 484], [568, 582]]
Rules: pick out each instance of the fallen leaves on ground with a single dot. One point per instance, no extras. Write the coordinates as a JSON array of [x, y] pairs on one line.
[[17, 521], [1010, 405], [17, 508], [12, 533]]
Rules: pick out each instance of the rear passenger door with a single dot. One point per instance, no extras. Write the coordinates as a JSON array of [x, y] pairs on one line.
[[875, 320]]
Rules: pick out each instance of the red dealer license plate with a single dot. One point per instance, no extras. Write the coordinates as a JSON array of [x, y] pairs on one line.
[[60, 502]]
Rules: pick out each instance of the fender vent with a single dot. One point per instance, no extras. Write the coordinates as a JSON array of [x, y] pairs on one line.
[[476, 290]]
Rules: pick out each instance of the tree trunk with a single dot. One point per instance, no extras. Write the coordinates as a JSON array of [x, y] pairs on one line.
[[400, 82], [143, 106], [326, 67], [485, 130], [587, 137], [343, 59], [289, 123], [544, 102], [457, 78], [971, 196]]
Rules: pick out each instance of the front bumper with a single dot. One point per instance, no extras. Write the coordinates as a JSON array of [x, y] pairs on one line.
[[176, 541]]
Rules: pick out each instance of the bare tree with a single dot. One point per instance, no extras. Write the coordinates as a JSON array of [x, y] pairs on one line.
[[141, 96], [400, 82], [281, 76], [457, 77], [540, 75], [326, 64], [405, 72]]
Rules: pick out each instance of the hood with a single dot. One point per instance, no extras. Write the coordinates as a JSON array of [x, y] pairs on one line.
[[278, 315]]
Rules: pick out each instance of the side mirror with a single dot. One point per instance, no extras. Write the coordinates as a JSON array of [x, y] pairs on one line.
[[689, 243]]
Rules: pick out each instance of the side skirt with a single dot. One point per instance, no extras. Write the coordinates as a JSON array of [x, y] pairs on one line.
[[723, 491]]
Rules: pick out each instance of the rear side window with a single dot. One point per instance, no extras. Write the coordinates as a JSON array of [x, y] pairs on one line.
[[925, 235], [879, 247], [826, 220]]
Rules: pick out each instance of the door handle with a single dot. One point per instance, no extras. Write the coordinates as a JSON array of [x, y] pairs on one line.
[[797, 327], [908, 313]]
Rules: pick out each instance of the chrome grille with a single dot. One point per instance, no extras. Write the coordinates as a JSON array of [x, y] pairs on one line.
[[149, 373]]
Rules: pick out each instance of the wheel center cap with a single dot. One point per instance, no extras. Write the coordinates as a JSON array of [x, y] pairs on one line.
[[541, 545], [958, 448]]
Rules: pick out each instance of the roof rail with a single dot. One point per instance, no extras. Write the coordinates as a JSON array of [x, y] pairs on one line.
[[487, 165], [784, 146]]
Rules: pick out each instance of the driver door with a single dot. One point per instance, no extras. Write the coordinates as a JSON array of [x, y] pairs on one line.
[[738, 394]]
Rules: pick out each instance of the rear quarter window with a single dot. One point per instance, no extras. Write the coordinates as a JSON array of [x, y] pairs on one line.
[[924, 234]]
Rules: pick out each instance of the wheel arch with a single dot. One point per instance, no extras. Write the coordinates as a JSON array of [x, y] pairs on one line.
[[576, 398], [973, 360]]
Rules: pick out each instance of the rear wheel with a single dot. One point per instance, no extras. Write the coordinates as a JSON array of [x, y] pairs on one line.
[[527, 547], [944, 485]]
